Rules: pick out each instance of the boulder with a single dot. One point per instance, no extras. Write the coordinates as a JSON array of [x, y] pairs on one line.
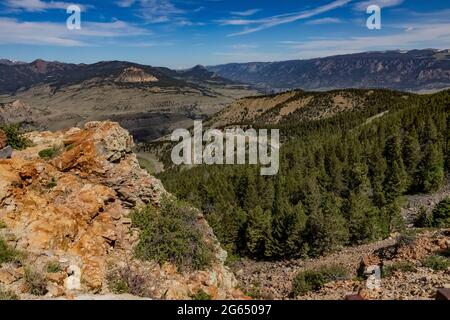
[[6, 152]]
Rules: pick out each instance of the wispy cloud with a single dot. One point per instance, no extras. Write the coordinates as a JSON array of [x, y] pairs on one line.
[[265, 23], [13, 31], [363, 5], [411, 36], [125, 3], [245, 13], [324, 21], [243, 46], [37, 5]]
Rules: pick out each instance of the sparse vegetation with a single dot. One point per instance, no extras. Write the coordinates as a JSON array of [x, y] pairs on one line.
[[402, 266], [125, 280], [53, 267], [313, 280], [8, 254], [7, 295], [201, 295], [172, 234], [406, 239], [15, 136], [437, 262], [2, 224], [52, 183], [49, 153], [35, 282]]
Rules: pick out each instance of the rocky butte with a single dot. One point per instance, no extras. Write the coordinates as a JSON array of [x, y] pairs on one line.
[[74, 209]]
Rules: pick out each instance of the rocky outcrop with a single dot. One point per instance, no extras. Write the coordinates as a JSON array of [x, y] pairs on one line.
[[74, 209], [16, 112], [135, 75]]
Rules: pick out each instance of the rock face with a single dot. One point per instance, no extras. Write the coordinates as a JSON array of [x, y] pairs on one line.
[[135, 75], [75, 209], [15, 112]]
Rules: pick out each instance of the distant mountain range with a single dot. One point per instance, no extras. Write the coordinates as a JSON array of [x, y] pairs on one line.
[[16, 76], [415, 70]]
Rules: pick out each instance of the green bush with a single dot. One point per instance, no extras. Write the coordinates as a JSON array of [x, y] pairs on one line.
[[15, 136], [423, 219], [201, 295], [35, 282], [52, 183], [172, 234], [403, 266], [313, 280], [441, 214], [53, 267], [49, 153], [7, 295], [7, 254], [437, 263]]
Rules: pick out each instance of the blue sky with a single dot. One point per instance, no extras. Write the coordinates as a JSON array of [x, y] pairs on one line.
[[183, 33]]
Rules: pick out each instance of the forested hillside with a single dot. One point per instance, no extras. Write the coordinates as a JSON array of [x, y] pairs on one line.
[[341, 179]]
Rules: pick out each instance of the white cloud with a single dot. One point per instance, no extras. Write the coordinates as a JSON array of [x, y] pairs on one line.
[[243, 46], [382, 3], [411, 37], [157, 11], [37, 5], [324, 21], [245, 13], [125, 3], [91, 33], [265, 23]]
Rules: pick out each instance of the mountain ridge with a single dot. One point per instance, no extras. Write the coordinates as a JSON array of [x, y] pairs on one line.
[[412, 70]]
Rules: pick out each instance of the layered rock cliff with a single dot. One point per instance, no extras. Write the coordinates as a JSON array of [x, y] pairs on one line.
[[74, 209]]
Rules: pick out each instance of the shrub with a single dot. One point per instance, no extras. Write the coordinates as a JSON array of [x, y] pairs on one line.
[[125, 280], [437, 263], [8, 254], [201, 295], [2, 225], [52, 183], [53, 267], [441, 214], [172, 234], [49, 153], [35, 282], [406, 239], [15, 136], [7, 295], [402, 266], [313, 280], [423, 219]]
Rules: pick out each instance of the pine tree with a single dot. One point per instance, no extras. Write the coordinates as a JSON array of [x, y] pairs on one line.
[[412, 157], [327, 229], [258, 233], [432, 169]]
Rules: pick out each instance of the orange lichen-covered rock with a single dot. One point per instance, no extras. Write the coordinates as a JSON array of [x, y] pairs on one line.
[[74, 209]]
